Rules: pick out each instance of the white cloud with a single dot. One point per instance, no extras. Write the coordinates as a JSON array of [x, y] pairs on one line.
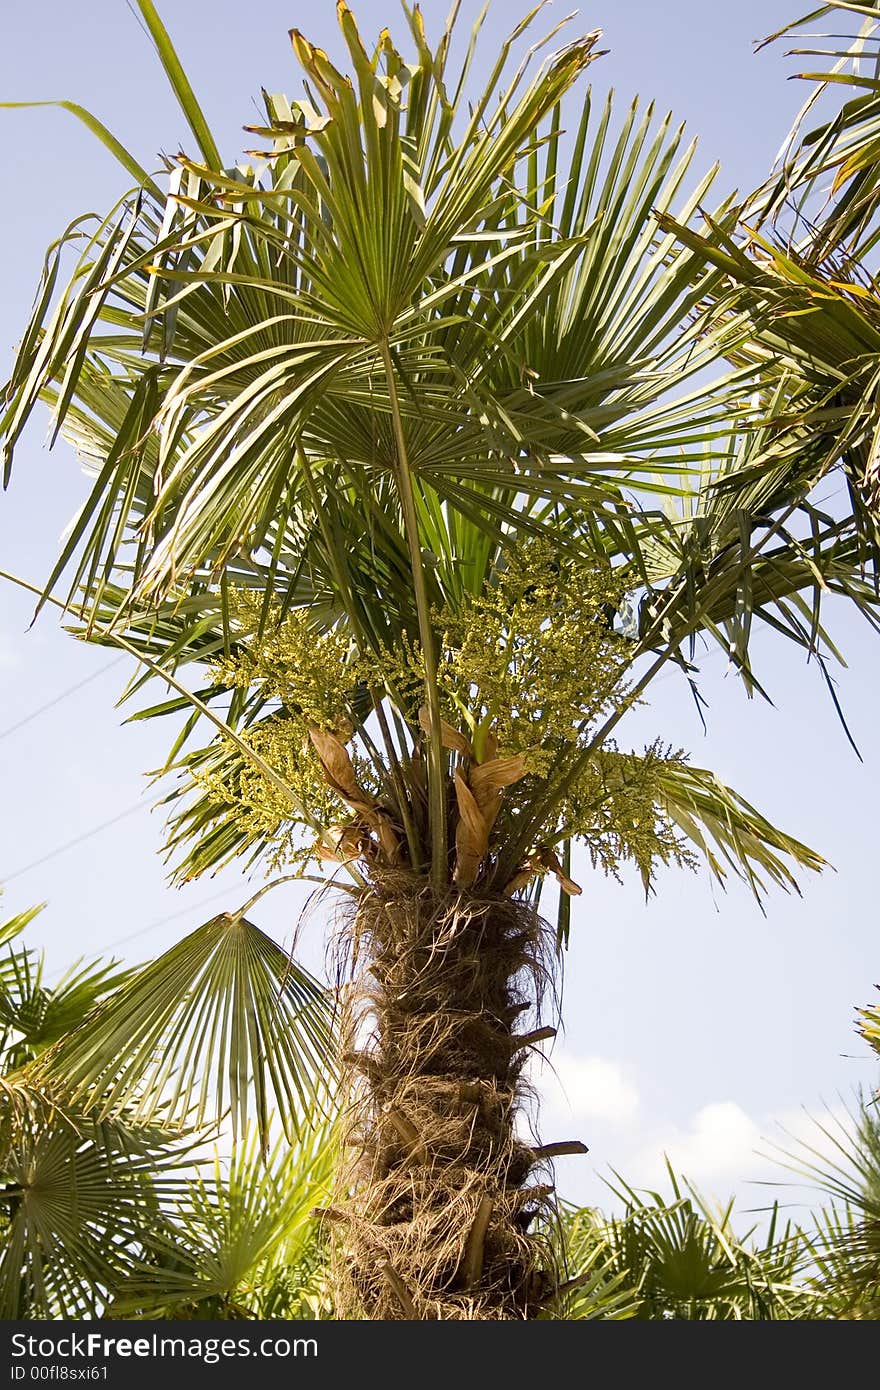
[[587, 1088], [721, 1148], [717, 1146]]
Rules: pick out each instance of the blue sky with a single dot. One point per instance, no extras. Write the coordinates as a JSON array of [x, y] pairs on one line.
[[693, 1022]]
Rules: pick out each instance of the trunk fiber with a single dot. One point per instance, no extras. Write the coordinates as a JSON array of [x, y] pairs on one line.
[[436, 1195]]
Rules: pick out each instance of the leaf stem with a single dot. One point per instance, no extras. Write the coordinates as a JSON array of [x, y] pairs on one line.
[[436, 761]]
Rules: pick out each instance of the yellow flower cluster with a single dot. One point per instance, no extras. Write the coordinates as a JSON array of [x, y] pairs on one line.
[[534, 657], [530, 666], [614, 809]]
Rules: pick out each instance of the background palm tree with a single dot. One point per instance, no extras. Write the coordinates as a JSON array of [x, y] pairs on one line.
[[108, 1207], [382, 425], [842, 1252], [78, 1195], [239, 1241], [674, 1257]]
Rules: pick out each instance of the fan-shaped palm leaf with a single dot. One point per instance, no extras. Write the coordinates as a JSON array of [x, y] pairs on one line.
[[799, 274], [595, 1287], [79, 1199], [221, 1017], [34, 1015], [841, 1161]]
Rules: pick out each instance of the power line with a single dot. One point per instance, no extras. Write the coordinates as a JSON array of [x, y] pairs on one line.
[[56, 700], [227, 892], [108, 946], [77, 840], [160, 921], [151, 926]]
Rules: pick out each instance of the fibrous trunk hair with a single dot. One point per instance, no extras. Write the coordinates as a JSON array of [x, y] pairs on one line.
[[435, 1193]]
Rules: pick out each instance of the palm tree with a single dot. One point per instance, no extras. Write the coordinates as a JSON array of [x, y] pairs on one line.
[[107, 1208], [842, 1257], [406, 431]]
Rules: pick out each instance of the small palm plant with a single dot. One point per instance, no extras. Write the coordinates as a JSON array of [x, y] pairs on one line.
[[80, 1194], [686, 1260], [239, 1241], [843, 1259], [106, 1209]]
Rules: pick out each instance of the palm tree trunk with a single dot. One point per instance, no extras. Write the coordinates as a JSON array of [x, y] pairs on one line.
[[434, 1202]]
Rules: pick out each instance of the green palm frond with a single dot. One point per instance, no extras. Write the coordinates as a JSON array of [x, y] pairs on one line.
[[350, 374], [840, 1160], [594, 1287], [869, 1026], [10, 930], [238, 1235], [686, 1261], [798, 294], [534, 327], [813, 340], [223, 1021], [828, 181], [729, 833], [15, 925], [34, 1015], [98, 1158]]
